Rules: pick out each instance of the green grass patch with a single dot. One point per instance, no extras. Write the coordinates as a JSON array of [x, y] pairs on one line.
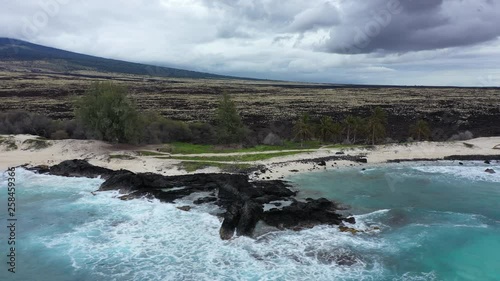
[[189, 148], [36, 143], [121, 157], [305, 145], [350, 146], [342, 146], [229, 168], [149, 153], [236, 158]]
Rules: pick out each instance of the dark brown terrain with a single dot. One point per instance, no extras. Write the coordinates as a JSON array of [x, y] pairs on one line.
[[263, 104]]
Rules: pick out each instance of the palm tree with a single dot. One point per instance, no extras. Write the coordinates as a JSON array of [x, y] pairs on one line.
[[303, 128], [357, 127], [325, 128], [337, 130], [420, 130], [349, 123], [353, 126], [376, 123]]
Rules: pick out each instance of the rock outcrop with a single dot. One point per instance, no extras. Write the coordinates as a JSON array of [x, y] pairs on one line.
[[242, 200], [75, 168], [300, 215]]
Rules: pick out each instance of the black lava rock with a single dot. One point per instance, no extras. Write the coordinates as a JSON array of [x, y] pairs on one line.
[[79, 168], [241, 198]]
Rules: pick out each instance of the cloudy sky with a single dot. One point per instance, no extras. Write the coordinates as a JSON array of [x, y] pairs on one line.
[[406, 42]]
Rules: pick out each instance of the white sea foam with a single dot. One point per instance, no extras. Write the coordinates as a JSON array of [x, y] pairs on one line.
[[470, 172], [149, 240], [46, 183], [282, 204], [422, 276]]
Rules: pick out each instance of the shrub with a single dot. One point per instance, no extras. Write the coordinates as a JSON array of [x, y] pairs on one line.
[[9, 143], [74, 129], [202, 133], [36, 144], [108, 114], [158, 129], [59, 135], [23, 122]]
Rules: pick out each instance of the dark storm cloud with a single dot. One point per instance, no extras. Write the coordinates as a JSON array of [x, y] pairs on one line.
[[419, 6], [414, 25]]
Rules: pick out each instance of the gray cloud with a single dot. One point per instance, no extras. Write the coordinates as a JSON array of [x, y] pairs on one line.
[[414, 26], [322, 15], [437, 42]]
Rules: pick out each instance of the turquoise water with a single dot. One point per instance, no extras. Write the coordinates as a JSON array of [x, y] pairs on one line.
[[439, 222], [440, 219]]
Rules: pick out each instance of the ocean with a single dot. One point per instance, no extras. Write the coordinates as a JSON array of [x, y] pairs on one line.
[[418, 221]]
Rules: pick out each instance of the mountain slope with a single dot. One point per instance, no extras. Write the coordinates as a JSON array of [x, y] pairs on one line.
[[59, 60]]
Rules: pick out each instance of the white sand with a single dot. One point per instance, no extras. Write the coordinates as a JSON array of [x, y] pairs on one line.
[[98, 153], [381, 154]]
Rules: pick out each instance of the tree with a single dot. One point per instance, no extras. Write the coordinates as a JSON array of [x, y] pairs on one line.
[[230, 128], [420, 130], [337, 132], [348, 122], [375, 124], [303, 128], [326, 128], [108, 114], [353, 125]]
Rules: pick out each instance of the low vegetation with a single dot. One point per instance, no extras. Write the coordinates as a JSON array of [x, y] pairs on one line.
[[9, 143], [106, 112], [236, 158], [193, 166], [36, 144], [190, 148], [149, 153], [121, 157]]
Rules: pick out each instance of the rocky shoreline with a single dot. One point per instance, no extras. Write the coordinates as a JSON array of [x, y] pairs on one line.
[[485, 158], [245, 202]]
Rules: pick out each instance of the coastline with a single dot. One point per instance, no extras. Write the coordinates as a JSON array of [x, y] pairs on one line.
[[482, 149], [100, 154], [259, 210]]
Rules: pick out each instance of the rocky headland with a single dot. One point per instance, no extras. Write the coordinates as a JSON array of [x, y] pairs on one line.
[[245, 202]]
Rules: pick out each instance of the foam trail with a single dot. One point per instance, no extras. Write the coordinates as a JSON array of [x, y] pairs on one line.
[[469, 172]]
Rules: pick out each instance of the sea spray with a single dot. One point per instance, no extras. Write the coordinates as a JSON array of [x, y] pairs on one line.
[[72, 234]]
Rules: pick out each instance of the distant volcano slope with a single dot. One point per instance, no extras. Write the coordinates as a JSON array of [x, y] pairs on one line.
[[52, 59]]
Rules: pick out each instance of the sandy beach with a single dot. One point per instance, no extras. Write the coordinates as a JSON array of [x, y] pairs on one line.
[[100, 153]]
